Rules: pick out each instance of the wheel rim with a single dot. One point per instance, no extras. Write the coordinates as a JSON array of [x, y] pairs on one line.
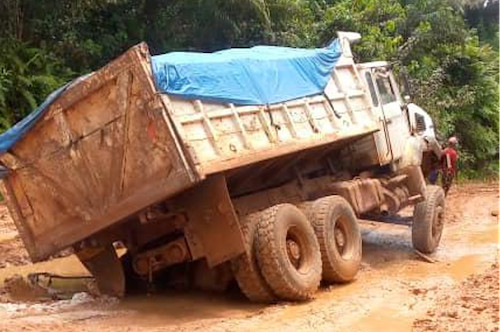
[[437, 225], [343, 240], [293, 252], [339, 237], [297, 249]]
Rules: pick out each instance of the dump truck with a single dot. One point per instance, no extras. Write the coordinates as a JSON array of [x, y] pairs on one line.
[[271, 192]]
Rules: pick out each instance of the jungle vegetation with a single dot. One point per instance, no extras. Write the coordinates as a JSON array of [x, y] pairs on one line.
[[449, 48]]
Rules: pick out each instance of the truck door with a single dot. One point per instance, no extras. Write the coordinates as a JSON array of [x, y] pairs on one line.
[[394, 131]]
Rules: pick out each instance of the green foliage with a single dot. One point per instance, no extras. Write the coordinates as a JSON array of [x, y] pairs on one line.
[[490, 172], [378, 22], [483, 16], [27, 76], [295, 23], [449, 48], [455, 78]]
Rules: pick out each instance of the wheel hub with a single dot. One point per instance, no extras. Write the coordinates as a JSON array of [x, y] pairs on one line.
[[438, 221], [340, 239], [293, 251]]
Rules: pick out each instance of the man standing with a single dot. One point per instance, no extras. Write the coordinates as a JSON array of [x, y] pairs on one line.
[[449, 168]]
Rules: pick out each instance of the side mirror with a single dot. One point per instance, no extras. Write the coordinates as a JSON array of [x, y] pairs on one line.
[[407, 99]]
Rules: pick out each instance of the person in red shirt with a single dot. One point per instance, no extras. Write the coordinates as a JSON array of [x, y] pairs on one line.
[[449, 167]]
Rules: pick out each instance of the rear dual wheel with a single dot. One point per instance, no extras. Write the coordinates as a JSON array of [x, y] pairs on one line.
[[288, 253], [245, 267], [336, 227], [282, 260]]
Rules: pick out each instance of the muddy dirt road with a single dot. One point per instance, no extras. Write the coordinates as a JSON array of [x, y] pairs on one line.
[[395, 290]]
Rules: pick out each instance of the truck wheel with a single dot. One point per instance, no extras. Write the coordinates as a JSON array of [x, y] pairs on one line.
[[428, 220], [134, 284], [288, 252], [336, 228], [245, 268]]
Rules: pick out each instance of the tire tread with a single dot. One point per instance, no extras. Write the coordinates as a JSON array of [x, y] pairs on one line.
[[318, 214], [245, 268], [269, 261], [423, 218]]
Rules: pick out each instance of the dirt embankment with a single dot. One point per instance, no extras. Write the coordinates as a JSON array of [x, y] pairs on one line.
[[394, 291], [473, 306]]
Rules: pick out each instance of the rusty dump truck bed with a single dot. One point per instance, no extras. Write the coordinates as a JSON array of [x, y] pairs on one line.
[[111, 145]]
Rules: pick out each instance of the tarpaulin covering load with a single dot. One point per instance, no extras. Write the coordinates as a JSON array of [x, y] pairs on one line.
[[253, 76], [11, 136], [14, 134]]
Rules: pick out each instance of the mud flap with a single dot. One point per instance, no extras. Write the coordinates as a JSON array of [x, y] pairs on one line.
[[212, 230], [103, 263]]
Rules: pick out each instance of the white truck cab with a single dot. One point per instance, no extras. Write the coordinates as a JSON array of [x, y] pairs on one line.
[[420, 121], [404, 123]]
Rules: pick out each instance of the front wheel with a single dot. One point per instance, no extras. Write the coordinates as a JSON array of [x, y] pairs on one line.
[[428, 220]]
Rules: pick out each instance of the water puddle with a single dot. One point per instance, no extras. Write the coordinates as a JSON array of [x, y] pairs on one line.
[[68, 266], [489, 235], [463, 267], [177, 307], [7, 236], [379, 300], [456, 270], [387, 320]]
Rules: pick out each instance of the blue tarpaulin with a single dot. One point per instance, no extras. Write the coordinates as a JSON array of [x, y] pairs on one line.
[[246, 76], [14, 134], [253, 76]]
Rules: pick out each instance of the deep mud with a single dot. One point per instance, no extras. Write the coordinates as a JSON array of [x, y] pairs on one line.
[[12, 251], [395, 290]]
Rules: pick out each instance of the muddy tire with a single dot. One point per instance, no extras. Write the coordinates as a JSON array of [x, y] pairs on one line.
[[428, 220], [245, 268], [134, 284], [339, 238], [288, 253]]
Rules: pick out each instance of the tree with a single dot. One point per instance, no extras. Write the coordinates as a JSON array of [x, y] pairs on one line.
[[454, 77], [448, 47], [27, 76]]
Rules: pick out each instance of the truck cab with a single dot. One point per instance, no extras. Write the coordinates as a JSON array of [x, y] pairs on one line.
[[421, 123], [403, 123]]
